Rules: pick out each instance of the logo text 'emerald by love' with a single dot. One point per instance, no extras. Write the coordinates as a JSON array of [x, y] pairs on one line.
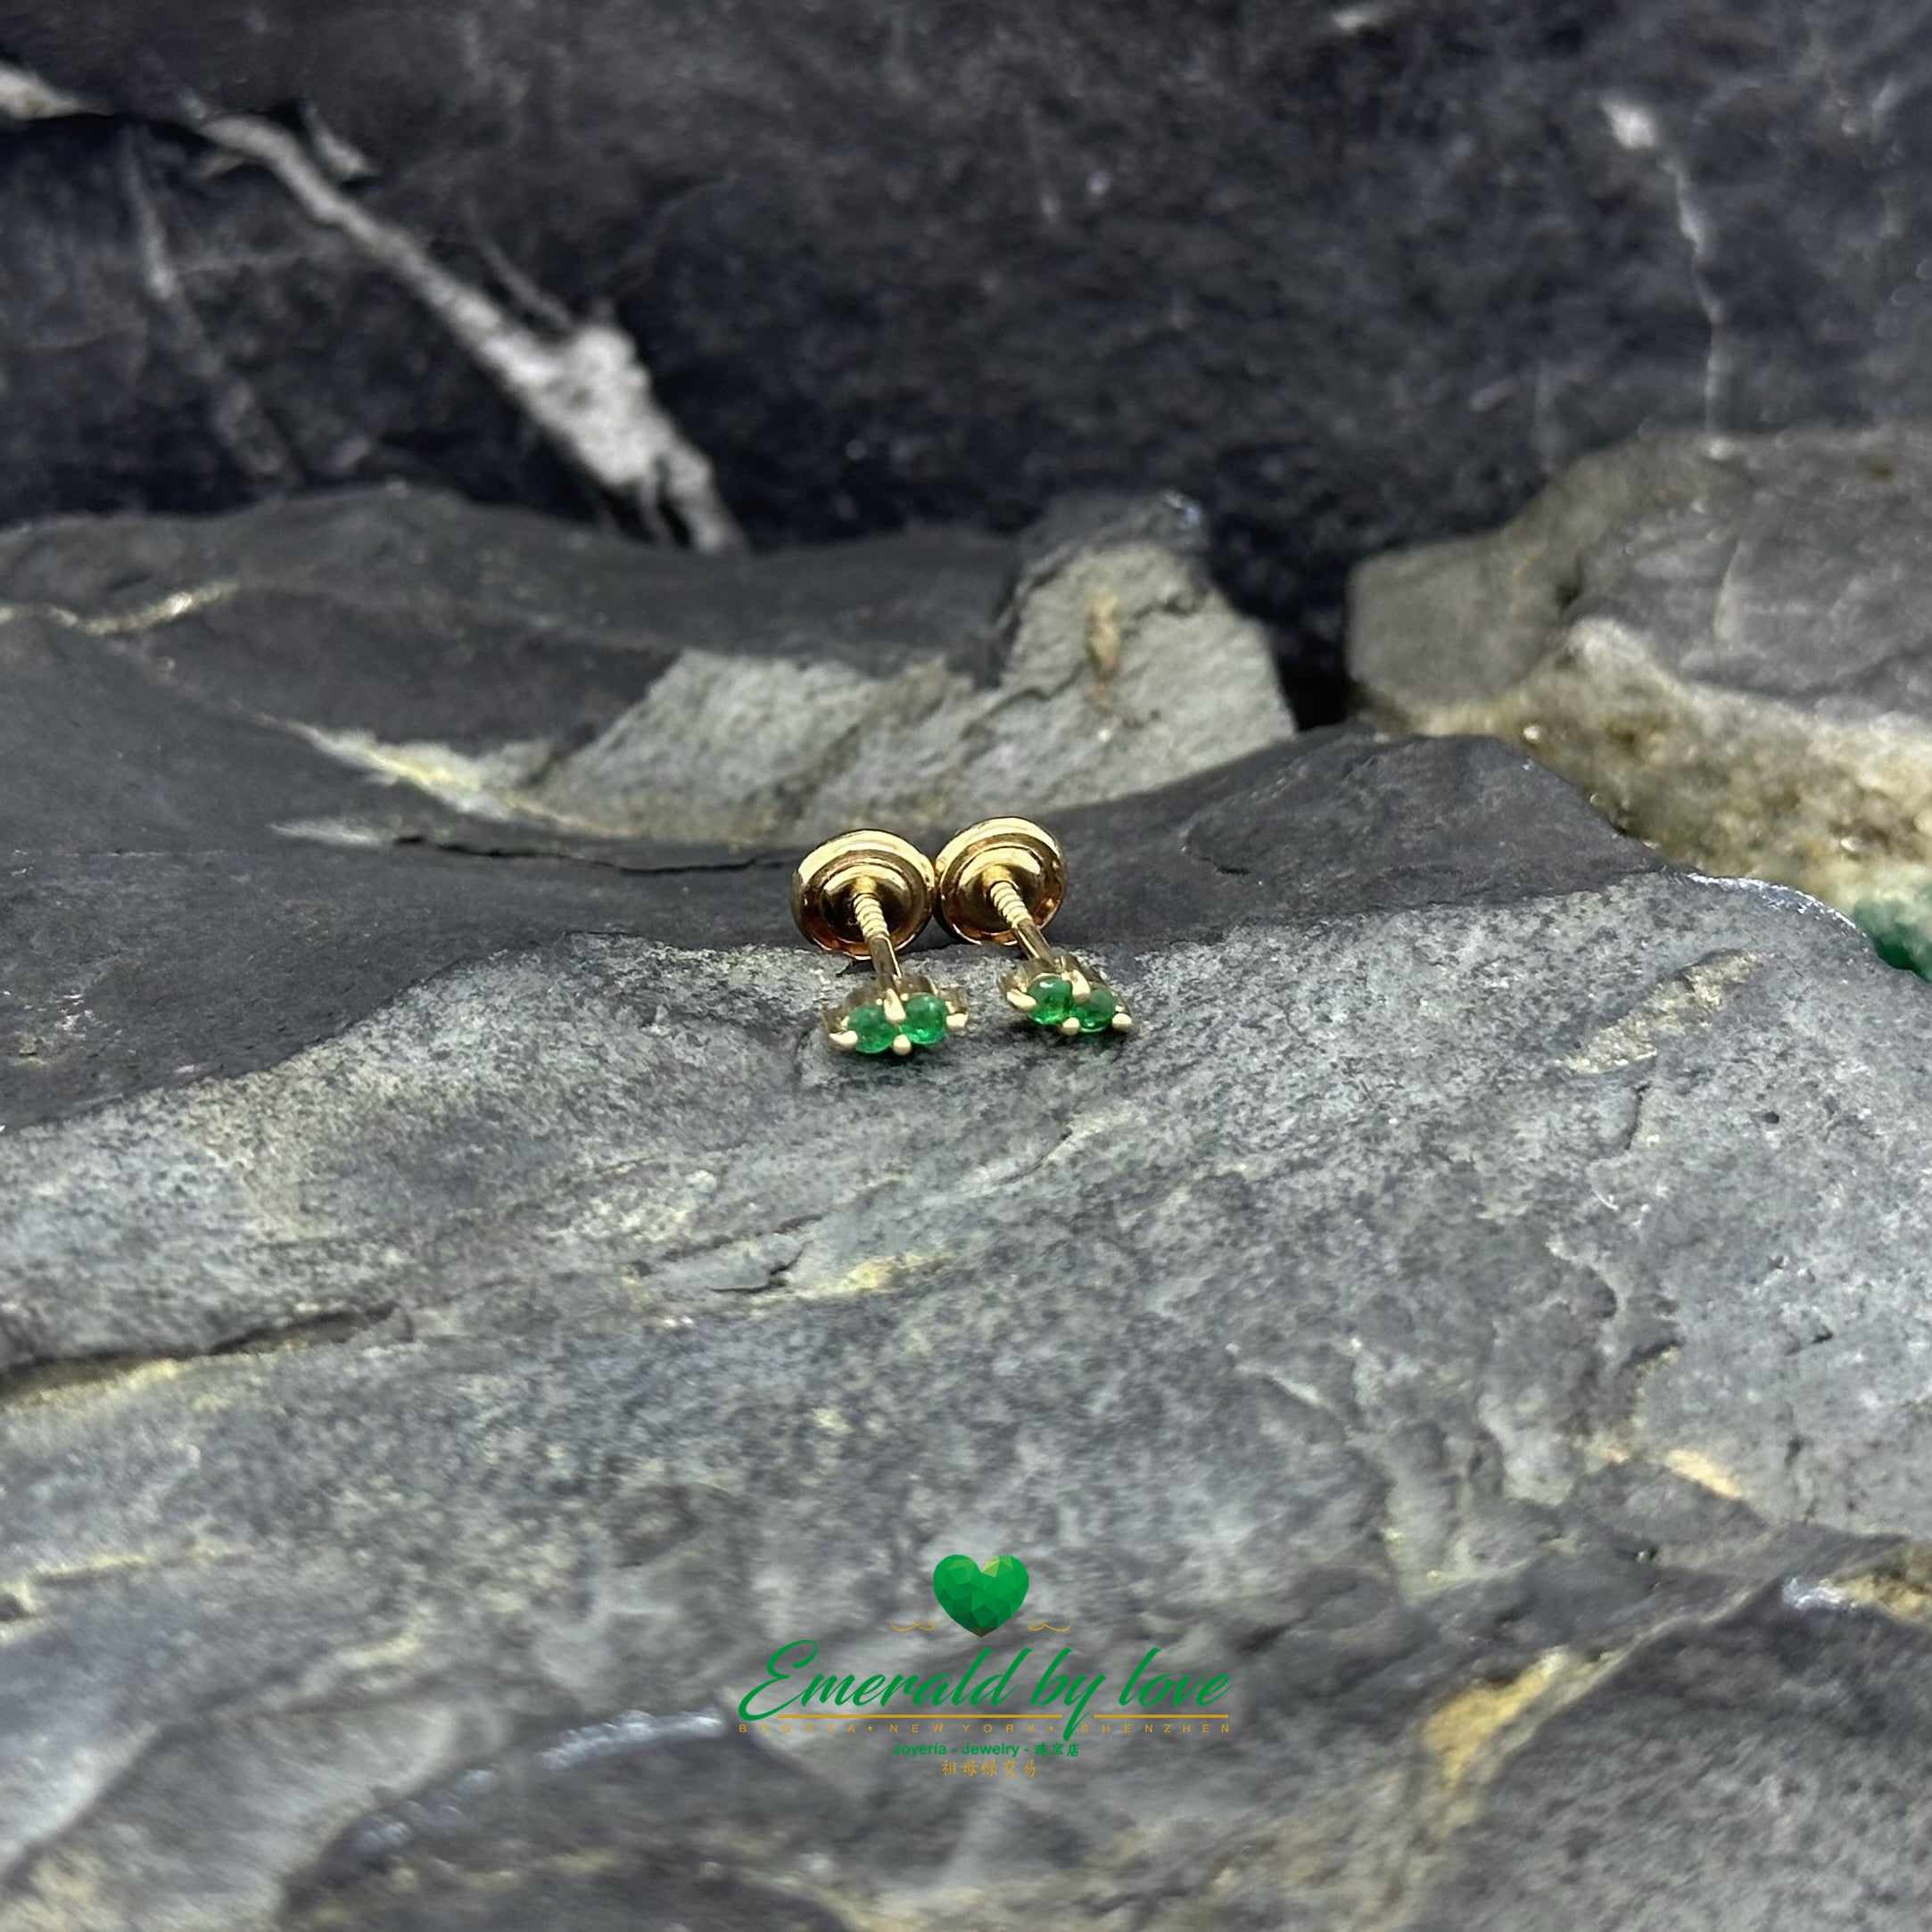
[[1056, 1688]]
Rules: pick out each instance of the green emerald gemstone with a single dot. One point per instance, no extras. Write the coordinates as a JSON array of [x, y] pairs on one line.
[[1900, 928], [874, 1030], [1095, 1012], [925, 1019], [1053, 1000]]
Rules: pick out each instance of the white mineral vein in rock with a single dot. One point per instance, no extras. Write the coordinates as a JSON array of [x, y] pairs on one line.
[[1638, 131], [167, 609], [482, 784], [585, 385], [25, 96], [243, 427]]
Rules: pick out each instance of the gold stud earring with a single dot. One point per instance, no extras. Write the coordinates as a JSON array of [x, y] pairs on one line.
[[1000, 883], [865, 894]]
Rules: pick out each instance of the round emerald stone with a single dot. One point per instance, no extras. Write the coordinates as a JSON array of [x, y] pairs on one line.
[[1053, 1000], [1095, 1012], [925, 1019], [874, 1030]]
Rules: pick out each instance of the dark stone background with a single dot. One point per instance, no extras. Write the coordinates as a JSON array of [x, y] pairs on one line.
[[1351, 275]]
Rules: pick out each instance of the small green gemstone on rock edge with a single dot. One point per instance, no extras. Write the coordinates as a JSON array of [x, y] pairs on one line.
[[925, 1019], [1095, 1012], [1053, 1000], [1900, 928], [874, 1030]]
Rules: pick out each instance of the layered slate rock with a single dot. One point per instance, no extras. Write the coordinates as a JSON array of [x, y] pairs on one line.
[[1479, 1313], [1722, 641], [240, 752], [1354, 274]]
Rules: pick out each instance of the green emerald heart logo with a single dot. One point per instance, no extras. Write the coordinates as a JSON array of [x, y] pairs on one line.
[[980, 1599]]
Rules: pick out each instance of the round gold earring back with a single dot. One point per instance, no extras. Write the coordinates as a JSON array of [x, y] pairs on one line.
[[826, 886], [1017, 851]]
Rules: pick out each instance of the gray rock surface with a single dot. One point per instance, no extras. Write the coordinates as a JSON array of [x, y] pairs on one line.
[[1122, 671], [1723, 641], [1481, 1312], [257, 764], [1353, 274]]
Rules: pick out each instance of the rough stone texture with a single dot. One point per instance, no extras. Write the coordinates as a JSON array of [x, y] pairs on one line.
[[239, 750], [1723, 641], [1123, 669], [1351, 274], [1500, 1348]]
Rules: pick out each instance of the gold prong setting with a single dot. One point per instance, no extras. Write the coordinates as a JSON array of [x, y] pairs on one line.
[[866, 893], [1000, 883], [894, 1019], [1065, 998]]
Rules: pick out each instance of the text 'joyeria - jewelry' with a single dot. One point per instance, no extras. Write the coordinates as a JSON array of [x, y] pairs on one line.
[[1000, 883], [865, 894]]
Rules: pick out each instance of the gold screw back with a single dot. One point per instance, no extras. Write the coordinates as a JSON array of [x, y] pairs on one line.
[[1001, 881], [865, 894]]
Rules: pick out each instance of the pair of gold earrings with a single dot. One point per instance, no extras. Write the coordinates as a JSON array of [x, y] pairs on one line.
[[866, 893]]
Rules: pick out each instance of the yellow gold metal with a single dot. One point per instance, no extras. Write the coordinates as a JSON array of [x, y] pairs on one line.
[[865, 894], [1014, 852], [1000, 883], [834, 880]]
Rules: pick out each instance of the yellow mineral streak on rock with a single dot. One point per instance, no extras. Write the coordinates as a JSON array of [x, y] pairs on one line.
[[404, 1647], [65, 1894], [1104, 634], [488, 786], [1475, 1727], [1684, 1001], [1695, 1466], [1903, 1589], [149, 616], [89, 1569], [866, 1278], [1721, 782], [68, 1382]]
